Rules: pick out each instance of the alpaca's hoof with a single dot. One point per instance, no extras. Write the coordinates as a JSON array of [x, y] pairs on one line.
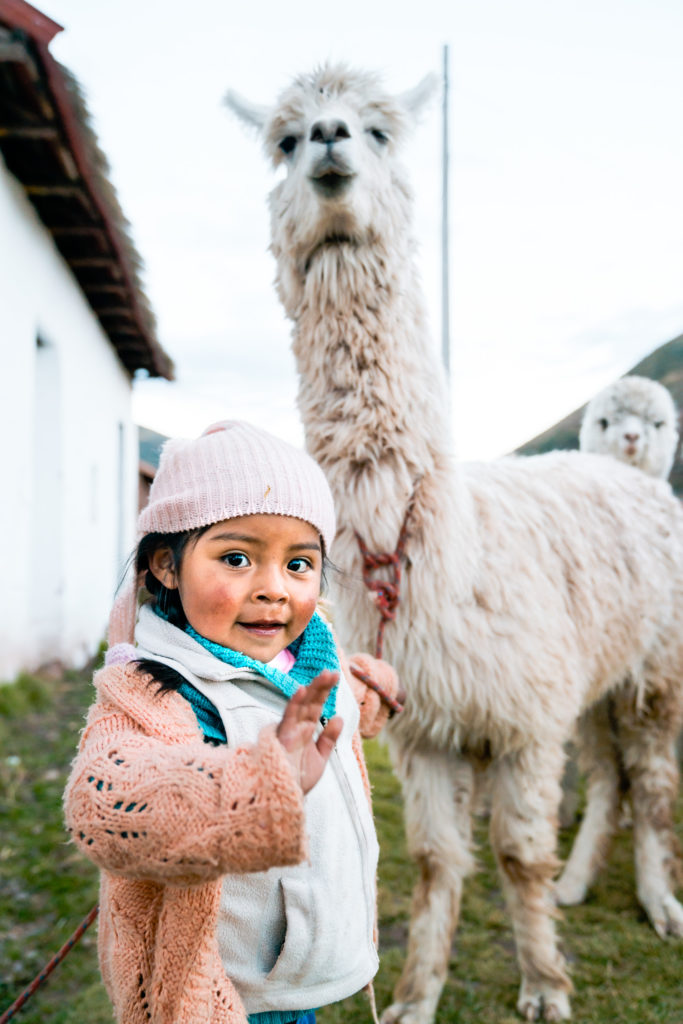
[[541, 1002], [666, 915], [569, 892], [409, 1013]]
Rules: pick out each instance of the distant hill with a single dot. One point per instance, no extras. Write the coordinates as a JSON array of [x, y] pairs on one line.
[[665, 365], [150, 446]]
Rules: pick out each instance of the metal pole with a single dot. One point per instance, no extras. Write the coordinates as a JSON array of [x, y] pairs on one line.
[[445, 310]]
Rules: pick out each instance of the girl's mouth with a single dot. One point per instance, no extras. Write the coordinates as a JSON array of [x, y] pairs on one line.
[[262, 628]]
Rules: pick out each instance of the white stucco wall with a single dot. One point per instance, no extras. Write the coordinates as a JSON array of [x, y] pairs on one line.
[[67, 442]]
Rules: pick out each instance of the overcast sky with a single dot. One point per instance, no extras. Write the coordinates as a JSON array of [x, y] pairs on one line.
[[566, 190]]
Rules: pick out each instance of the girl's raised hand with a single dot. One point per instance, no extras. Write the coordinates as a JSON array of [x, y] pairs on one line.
[[296, 731]]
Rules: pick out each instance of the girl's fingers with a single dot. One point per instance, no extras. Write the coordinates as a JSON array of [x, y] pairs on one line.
[[322, 684], [310, 699], [296, 730], [303, 710]]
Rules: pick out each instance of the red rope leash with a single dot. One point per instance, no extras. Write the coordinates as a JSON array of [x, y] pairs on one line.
[[395, 705], [49, 967], [387, 595], [387, 592]]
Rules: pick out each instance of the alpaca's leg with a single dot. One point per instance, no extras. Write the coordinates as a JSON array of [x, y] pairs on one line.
[[648, 742], [437, 792], [599, 758], [526, 797], [570, 787]]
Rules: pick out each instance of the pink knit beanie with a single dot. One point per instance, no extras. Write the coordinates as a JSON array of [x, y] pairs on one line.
[[233, 469]]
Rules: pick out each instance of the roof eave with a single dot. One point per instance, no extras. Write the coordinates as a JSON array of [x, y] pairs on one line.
[[135, 342]]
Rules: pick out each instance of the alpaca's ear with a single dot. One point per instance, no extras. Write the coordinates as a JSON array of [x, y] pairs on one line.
[[416, 99], [252, 114]]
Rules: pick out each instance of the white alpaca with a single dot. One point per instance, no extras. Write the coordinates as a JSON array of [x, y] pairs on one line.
[[531, 587], [633, 420]]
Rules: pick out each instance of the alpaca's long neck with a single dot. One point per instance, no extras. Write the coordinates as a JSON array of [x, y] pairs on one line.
[[371, 392], [368, 374]]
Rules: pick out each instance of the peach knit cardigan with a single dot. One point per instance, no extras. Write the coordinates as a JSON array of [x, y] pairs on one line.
[[165, 815]]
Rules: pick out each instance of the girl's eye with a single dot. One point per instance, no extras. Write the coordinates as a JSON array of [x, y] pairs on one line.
[[236, 559], [299, 565]]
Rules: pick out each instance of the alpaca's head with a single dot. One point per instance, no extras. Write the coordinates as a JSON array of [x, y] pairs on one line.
[[337, 133], [634, 420]]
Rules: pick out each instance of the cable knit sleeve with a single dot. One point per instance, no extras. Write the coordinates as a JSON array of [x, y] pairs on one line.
[[181, 812]]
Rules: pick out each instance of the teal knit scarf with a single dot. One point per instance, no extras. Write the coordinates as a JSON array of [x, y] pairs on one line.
[[315, 650]]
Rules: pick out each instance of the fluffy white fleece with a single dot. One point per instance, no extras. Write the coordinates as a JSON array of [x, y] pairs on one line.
[[532, 587]]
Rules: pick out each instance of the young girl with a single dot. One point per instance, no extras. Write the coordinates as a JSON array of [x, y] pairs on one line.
[[220, 783]]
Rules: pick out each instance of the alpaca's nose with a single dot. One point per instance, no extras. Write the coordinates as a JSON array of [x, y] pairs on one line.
[[631, 438], [329, 132]]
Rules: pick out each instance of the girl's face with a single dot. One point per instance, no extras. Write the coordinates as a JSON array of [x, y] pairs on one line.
[[249, 583]]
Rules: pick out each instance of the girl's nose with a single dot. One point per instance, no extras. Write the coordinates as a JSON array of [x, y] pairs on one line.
[[270, 587]]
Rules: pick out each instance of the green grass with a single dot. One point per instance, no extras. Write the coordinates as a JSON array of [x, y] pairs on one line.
[[46, 887], [623, 973]]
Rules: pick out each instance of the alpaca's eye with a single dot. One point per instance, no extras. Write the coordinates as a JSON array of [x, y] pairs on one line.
[[659, 423], [288, 144], [379, 136], [603, 423]]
